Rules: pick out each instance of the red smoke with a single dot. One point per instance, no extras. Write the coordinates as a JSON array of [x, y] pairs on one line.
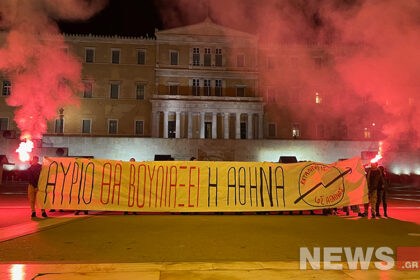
[[371, 52], [35, 58]]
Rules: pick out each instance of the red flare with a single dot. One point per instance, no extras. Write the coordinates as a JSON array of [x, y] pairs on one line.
[[24, 150], [378, 156]]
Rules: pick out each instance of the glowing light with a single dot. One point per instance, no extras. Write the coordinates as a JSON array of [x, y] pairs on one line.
[[379, 156], [373, 124], [17, 272], [24, 150], [9, 167]]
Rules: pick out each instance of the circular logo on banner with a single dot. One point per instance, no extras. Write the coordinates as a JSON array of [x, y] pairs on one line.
[[321, 185]]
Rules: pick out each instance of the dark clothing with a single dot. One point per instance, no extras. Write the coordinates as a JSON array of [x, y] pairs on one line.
[[34, 172], [382, 198], [375, 179]]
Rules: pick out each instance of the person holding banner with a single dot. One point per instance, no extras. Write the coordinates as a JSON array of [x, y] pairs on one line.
[[34, 171]]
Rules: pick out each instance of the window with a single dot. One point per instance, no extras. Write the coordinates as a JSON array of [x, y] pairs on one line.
[[196, 87], [240, 60], [87, 89], [6, 88], [114, 91], [207, 89], [115, 56], [139, 129], [141, 57], [59, 126], [296, 130], [320, 131], [139, 91], [318, 99], [240, 92], [173, 89], [272, 130], [218, 57], [174, 58], [112, 126], [4, 124], [89, 55], [218, 88], [196, 56], [86, 126], [207, 57], [367, 133]]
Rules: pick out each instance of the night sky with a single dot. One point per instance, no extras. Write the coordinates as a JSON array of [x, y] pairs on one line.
[[120, 17]]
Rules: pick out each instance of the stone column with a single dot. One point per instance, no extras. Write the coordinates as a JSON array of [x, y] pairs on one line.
[[155, 125], [238, 126], [189, 125], [226, 125], [249, 127], [260, 126], [177, 124], [165, 124], [214, 126], [202, 126]]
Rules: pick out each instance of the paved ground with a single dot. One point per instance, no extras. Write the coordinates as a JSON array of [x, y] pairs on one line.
[[113, 246]]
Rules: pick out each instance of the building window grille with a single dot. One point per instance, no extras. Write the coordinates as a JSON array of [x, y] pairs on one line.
[[6, 88], [207, 89], [196, 87], [196, 56], [207, 57], [112, 126], [115, 91], [86, 126], [140, 92], [218, 88], [141, 57]]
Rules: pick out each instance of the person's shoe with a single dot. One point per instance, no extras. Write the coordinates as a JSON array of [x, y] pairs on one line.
[[44, 214], [76, 213], [86, 212], [61, 210], [125, 213], [373, 216], [52, 210], [134, 213], [386, 215], [359, 214], [379, 216], [33, 215]]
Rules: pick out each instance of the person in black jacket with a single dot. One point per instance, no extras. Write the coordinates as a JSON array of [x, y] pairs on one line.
[[381, 194], [34, 171], [374, 180]]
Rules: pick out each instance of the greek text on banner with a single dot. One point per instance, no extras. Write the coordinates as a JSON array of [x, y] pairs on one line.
[[194, 186]]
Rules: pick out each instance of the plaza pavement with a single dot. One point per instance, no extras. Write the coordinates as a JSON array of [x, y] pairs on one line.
[[113, 246]]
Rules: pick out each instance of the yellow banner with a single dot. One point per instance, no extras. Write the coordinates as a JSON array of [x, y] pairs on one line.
[[198, 186]]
